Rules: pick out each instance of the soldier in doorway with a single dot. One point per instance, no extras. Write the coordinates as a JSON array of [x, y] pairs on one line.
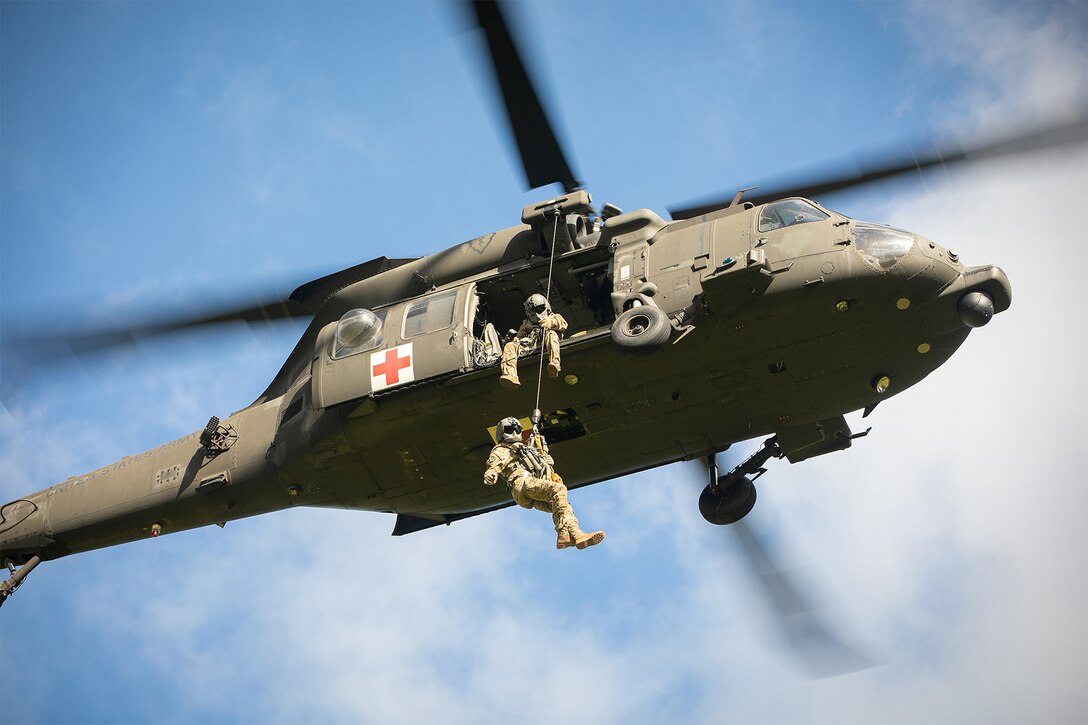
[[526, 469], [541, 326]]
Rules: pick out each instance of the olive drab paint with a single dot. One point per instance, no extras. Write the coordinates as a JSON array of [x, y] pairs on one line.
[[758, 316], [787, 330]]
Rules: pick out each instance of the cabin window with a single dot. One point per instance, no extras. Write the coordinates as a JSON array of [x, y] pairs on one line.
[[431, 314], [357, 331], [788, 213]]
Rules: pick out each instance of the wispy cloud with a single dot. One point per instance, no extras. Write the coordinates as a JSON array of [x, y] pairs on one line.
[[1024, 60]]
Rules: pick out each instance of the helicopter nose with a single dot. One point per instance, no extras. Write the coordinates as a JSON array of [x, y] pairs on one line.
[[952, 295], [970, 300]]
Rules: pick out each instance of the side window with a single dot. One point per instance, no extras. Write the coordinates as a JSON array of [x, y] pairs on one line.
[[431, 314], [359, 330]]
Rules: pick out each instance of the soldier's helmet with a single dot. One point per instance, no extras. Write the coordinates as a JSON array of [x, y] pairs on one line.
[[536, 307], [509, 430]]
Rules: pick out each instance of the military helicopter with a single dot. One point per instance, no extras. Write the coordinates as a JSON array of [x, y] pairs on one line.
[[752, 316]]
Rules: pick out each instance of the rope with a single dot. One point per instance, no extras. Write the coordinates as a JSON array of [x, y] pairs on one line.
[[547, 296]]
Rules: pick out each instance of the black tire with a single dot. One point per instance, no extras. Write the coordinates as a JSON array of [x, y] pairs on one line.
[[641, 330], [730, 504]]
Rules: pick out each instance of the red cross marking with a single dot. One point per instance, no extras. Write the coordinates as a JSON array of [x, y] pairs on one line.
[[392, 366]]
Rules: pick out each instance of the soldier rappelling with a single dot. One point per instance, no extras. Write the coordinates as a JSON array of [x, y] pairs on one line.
[[526, 468]]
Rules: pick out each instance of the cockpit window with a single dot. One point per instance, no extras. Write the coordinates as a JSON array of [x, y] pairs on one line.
[[787, 213], [882, 247]]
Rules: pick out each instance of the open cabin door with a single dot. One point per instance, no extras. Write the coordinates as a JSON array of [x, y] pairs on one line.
[[412, 341]]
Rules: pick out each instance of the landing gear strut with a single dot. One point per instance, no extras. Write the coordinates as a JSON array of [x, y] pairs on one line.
[[729, 498], [8, 586]]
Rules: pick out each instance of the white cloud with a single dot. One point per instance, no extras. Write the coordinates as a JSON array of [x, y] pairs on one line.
[[1024, 61]]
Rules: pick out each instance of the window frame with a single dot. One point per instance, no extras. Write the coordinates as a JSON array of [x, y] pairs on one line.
[[452, 294]]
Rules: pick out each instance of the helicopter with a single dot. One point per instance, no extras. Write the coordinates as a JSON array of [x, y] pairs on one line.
[[781, 314]]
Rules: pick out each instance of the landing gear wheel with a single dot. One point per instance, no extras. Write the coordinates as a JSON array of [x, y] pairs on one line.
[[641, 330], [729, 504]]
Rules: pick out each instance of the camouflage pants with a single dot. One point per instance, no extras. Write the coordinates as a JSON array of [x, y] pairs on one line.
[[545, 495], [525, 345]]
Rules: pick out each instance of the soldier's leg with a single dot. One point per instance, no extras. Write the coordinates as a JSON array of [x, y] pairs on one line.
[[509, 364], [551, 344], [551, 497], [566, 524], [563, 537]]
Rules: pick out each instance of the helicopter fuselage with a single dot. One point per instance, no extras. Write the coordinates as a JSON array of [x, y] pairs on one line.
[[783, 318]]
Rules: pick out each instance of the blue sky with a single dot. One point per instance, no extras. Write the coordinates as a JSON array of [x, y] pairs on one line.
[[157, 157]]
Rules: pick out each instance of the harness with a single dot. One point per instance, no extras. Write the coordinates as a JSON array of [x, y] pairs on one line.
[[535, 337], [525, 457]]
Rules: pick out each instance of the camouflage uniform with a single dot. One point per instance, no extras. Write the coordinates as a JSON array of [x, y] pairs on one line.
[[533, 485], [538, 327]]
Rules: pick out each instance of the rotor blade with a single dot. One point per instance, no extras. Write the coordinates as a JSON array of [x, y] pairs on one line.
[[42, 346], [541, 155], [307, 300], [879, 169], [821, 650]]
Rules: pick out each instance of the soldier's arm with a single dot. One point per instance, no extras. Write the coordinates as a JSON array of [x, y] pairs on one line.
[[551, 462], [551, 465], [526, 329], [495, 463], [554, 321], [544, 450]]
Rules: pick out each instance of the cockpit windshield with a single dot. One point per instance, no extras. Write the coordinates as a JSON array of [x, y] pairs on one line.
[[787, 213], [882, 246]]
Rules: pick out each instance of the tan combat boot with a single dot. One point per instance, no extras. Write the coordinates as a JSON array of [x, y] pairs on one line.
[[583, 540], [564, 540], [509, 381], [553, 370]]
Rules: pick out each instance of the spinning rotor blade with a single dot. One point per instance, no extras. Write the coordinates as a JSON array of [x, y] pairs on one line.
[[306, 301], [867, 173], [39, 347], [822, 651], [541, 155]]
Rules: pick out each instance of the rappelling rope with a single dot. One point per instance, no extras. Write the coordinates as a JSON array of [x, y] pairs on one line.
[[548, 297], [535, 440]]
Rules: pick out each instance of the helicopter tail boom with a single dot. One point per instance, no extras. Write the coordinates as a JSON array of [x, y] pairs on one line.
[[207, 477]]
